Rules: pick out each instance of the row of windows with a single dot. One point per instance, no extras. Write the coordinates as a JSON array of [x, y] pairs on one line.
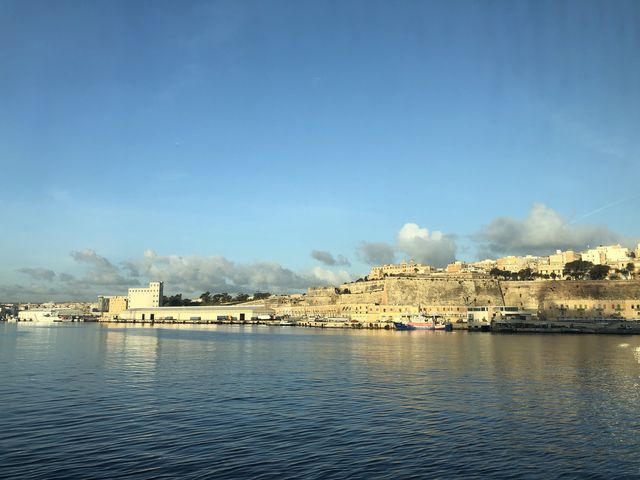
[[596, 307]]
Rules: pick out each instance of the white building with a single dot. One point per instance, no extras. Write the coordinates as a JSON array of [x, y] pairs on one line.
[[197, 314], [606, 254], [150, 297]]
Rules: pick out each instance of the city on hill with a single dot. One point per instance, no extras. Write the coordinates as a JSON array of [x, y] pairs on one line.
[[599, 282]]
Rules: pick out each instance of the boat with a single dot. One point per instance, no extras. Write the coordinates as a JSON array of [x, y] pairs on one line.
[[535, 324], [286, 323], [482, 318], [422, 322]]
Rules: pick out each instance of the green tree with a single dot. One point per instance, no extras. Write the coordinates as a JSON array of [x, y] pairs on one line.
[[219, 298], [526, 274], [261, 295], [206, 298], [496, 272], [577, 269], [173, 300], [241, 297], [629, 269], [598, 272]]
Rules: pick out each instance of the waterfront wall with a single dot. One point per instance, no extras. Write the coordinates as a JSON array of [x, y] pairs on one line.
[[450, 295], [443, 291], [610, 298]]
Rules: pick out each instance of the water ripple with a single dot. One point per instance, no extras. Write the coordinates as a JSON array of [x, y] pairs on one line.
[[91, 401]]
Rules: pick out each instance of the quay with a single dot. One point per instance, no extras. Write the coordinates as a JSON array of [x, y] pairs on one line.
[[307, 323]]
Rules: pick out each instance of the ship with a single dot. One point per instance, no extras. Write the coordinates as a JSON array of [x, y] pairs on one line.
[[535, 324]]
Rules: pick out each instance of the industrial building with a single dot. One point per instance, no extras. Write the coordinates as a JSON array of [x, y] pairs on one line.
[[238, 313]]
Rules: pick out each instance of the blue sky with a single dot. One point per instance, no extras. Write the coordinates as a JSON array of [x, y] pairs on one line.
[[255, 133]]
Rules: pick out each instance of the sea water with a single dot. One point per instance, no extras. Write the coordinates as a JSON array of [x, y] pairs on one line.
[[112, 401]]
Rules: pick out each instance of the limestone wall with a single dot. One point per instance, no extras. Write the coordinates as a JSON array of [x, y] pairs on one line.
[[450, 295], [442, 291], [535, 295]]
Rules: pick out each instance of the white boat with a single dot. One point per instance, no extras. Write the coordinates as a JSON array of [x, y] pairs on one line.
[[422, 322]]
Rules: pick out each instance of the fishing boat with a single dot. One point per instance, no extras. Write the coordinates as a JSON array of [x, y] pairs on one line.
[[423, 322]]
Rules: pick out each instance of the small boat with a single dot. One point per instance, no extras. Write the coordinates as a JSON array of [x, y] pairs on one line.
[[403, 326], [286, 323]]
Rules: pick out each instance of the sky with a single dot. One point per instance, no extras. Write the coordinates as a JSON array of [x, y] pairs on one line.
[[275, 145]]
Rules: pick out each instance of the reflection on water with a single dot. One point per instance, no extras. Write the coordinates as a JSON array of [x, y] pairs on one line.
[[103, 401]]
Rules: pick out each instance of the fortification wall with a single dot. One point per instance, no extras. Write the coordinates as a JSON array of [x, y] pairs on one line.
[[442, 291], [621, 297], [321, 296], [375, 297], [546, 294], [367, 286]]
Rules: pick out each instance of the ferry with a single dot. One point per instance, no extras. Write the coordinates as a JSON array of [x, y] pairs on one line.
[[481, 318], [534, 324]]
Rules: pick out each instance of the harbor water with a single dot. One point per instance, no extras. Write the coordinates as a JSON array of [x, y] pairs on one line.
[[111, 401]]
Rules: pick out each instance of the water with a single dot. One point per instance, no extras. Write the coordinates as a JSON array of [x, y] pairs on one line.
[[106, 401]]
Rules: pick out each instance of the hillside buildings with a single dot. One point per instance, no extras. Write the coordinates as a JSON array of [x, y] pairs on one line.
[[616, 257], [395, 291], [403, 268]]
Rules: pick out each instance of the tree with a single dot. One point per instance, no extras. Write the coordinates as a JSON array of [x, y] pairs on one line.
[[598, 272], [526, 274], [175, 301], [219, 298], [241, 297], [496, 272], [577, 269], [206, 298], [629, 269], [261, 295]]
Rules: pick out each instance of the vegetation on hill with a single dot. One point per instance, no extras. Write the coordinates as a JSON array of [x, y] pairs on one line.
[[207, 299], [576, 270]]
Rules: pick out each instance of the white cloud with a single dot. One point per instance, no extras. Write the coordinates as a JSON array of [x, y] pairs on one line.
[[195, 274], [433, 248], [190, 275], [543, 231], [100, 270], [330, 277]]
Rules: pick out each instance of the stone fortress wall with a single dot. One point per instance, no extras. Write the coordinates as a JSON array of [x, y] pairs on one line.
[[451, 295]]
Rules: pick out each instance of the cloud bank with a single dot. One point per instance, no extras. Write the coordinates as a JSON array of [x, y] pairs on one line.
[[376, 253], [38, 273], [190, 275], [433, 248], [543, 231], [328, 259]]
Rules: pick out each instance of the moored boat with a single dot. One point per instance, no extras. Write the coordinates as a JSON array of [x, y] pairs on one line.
[[422, 322]]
